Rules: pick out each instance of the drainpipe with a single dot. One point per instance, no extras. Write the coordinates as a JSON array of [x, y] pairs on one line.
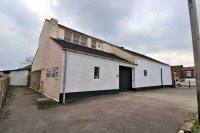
[[161, 74], [65, 73]]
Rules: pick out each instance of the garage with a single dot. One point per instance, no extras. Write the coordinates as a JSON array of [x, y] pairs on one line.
[[19, 78], [125, 78]]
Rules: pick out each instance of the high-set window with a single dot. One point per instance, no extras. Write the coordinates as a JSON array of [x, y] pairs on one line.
[[48, 73], [145, 72], [68, 36], [76, 38], [54, 72], [96, 72], [93, 45], [83, 40]]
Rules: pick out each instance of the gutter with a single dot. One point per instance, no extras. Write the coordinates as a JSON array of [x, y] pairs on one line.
[[64, 77]]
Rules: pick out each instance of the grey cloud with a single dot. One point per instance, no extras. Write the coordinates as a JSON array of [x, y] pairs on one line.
[[162, 25], [20, 33], [104, 18]]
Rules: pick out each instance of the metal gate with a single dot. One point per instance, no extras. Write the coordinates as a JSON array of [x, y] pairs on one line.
[[125, 78]]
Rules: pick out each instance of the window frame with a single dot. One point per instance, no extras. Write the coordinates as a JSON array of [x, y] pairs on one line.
[[48, 73], [76, 39], [54, 72], [145, 73], [96, 73], [83, 41], [188, 73], [94, 45], [68, 36]]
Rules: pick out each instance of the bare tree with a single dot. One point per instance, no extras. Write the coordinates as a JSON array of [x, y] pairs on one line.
[[27, 61]]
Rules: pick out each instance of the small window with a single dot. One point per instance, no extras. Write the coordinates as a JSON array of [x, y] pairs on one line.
[[93, 43], [96, 72], [68, 36], [145, 72], [175, 74], [189, 74], [99, 46], [76, 38], [54, 72], [83, 40], [194, 74], [48, 73]]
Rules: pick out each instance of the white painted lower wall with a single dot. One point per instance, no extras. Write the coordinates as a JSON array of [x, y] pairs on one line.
[[19, 78], [153, 77], [80, 73]]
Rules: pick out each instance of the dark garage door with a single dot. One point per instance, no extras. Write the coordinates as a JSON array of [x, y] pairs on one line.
[[125, 78]]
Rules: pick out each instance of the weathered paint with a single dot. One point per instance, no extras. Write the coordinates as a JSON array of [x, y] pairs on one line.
[[61, 33], [49, 55], [124, 55], [35, 79], [81, 67], [80, 73], [153, 77], [19, 78], [51, 86], [107, 48], [41, 54], [100, 45]]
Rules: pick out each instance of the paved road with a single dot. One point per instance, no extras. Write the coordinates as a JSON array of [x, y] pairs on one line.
[[152, 111]]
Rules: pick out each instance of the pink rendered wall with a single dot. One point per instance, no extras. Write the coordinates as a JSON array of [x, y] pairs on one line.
[[48, 55], [51, 86]]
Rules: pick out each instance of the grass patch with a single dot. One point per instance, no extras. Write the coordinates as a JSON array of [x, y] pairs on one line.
[[196, 127], [44, 103]]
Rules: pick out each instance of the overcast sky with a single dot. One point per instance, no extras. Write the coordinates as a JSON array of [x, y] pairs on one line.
[[157, 28]]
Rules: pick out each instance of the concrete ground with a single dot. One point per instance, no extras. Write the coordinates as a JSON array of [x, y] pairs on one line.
[[152, 111]]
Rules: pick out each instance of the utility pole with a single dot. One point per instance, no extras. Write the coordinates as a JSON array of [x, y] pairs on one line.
[[196, 47]]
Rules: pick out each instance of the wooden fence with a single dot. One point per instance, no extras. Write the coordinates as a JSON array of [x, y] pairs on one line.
[[4, 85]]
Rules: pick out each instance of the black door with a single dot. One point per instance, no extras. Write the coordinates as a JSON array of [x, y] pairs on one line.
[[125, 78]]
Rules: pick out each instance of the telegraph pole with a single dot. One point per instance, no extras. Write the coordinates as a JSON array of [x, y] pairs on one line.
[[196, 46]]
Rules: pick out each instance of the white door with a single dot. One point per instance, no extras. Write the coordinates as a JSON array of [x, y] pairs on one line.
[[19, 78]]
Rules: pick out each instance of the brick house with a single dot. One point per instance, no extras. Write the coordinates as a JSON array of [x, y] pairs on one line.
[[180, 71]]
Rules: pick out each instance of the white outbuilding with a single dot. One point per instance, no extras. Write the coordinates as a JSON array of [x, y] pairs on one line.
[[18, 77], [69, 64]]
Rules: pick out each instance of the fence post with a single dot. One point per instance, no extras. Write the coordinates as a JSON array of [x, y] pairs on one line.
[[4, 85], [189, 83]]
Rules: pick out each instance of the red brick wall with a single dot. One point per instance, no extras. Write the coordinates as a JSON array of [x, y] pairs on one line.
[[178, 74]]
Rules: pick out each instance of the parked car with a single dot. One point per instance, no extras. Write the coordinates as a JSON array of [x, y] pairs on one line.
[[186, 82]]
